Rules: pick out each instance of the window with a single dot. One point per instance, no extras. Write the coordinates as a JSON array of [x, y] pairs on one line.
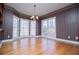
[[44, 27], [49, 27], [32, 28], [15, 26], [52, 27], [24, 27]]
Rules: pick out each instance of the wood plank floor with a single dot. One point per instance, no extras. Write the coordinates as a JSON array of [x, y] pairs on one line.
[[38, 46]]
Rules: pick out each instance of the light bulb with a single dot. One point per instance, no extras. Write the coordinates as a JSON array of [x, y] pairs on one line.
[[37, 17], [31, 17]]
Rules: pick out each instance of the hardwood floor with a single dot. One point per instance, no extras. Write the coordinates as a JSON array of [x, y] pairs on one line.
[[38, 46]]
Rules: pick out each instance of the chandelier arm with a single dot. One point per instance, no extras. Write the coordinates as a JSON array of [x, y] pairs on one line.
[[34, 17]]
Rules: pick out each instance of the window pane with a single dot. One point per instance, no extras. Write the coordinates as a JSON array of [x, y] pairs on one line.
[[24, 27], [44, 27], [15, 26], [49, 27], [33, 28]]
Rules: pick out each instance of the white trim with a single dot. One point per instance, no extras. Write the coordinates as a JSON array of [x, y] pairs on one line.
[[68, 41], [57, 39], [49, 37], [10, 40], [62, 40], [7, 40], [30, 36], [14, 39], [0, 44]]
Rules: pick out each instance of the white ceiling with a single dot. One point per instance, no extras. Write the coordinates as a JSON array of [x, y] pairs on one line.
[[41, 9]]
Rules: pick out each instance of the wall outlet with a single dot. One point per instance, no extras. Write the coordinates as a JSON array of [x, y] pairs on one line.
[[76, 38], [8, 36], [68, 37]]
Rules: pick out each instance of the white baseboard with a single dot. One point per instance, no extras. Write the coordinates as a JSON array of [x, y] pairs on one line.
[[14, 39], [11, 40], [7, 40], [48, 37], [34, 36], [57, 39], [68, 41], [62, 40], [0, 44]]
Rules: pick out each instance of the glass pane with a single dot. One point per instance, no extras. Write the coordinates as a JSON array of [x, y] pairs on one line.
[[49, 27], [33, 28], [44, 27], [15, 26], [52, 27], [24, 27]]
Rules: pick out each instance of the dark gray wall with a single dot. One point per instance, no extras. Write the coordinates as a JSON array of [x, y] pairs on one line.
[[8, 23], [38, 27], [67, 24]]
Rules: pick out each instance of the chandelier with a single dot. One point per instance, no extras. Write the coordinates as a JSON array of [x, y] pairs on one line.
[[34, 16]]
